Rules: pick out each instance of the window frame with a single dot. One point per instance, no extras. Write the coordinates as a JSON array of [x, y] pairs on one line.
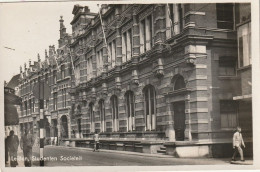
[[115, 112], [150, 107], [130, 109], [227, 111], [222, 14], [227, 63]]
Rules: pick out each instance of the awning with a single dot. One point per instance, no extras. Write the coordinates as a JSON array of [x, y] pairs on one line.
[[11, 115], [249, 96]]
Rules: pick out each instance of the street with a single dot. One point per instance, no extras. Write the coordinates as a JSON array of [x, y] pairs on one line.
[[67, 156]]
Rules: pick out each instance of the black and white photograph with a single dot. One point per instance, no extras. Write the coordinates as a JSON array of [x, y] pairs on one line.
[[128, 83]]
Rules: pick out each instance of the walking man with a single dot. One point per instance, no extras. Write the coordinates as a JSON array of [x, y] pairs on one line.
[[12, 143], [237, 143], [27, 142], [96, 142]]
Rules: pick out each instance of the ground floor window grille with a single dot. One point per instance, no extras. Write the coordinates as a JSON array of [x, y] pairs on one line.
[[228, 113]]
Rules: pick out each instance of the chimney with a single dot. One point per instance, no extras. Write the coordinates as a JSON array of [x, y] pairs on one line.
[[62, 28], [30, 62], [39, 59], [46, 55], [51, 50], [21, 69], [86, 9]]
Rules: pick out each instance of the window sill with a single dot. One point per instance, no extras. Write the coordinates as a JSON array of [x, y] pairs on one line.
[[228, 129], [231, 77], [244, 67]]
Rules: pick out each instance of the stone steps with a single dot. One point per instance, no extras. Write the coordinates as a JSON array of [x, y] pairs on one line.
[[162, 150]]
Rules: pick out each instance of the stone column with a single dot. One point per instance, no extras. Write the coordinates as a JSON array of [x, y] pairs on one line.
[[170, 129], [159, 23], [136, 45], [105, 58], [118, 39]]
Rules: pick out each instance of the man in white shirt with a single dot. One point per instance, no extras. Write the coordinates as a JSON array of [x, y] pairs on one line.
[[237, 142], [96, 142]]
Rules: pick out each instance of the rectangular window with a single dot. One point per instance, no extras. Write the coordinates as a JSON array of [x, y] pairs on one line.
[[92, 118], [110, 54], [63, 98], [62, 71], [227, 66], [33, 105], [102, 114], [46, 78], [124, 46], [26, 108], [142, 37], [149, 18], [180, 11], [146, 34], [79, 125], [228, 113], [244, 44], [114, 54], [30, 105], [225, 16], [55, 101], [54, 77], [100, 62], [129, 45], [169, 20], [46, 104], [21, 108], [240, 51], [90, 68]]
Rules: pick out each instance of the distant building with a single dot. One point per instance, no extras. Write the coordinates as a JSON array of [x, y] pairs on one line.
[[166, 76], [12, 101]]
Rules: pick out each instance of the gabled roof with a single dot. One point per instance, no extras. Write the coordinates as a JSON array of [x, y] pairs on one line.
[[14, 82], [76, 8]]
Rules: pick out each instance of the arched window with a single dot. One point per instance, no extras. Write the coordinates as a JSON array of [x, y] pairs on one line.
[[64, 127], [91, 117], [130, 110], [150, 108], [102, 114], [179, 83], [79, 109], [114, 105]]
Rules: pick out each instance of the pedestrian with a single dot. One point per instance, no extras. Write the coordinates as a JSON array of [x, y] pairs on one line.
[[237, 143], [12, 143], [96, 142], [6, 151], [27, 142]]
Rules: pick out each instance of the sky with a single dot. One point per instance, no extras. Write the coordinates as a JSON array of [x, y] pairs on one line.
[[29, 28]]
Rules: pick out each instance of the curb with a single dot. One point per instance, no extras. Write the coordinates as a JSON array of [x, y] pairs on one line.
[[120, 152]]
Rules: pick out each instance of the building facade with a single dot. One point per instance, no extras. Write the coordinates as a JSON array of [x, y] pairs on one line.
[[147, 76]]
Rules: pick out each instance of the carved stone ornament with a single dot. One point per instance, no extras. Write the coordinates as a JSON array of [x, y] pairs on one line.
[[158, 69]]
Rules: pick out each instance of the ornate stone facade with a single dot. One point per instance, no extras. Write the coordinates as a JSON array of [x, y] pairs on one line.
[[158, 77]]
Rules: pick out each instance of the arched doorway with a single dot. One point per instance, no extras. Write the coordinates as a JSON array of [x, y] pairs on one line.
[[179, 110], [150, 107], [114, 105], [64, 126]]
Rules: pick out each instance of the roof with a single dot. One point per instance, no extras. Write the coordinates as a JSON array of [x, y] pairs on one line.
[[14, 82]]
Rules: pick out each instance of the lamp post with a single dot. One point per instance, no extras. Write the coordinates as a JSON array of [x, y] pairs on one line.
[[42, 92]]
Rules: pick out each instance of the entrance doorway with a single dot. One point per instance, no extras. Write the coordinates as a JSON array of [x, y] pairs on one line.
[[179, 120], [64, 127]]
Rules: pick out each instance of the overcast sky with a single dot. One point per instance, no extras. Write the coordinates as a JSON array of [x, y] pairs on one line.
[[30, 28]]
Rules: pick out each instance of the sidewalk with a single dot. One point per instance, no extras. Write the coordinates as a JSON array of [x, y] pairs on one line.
[[20, 158], [210, 160], [224, 160]]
